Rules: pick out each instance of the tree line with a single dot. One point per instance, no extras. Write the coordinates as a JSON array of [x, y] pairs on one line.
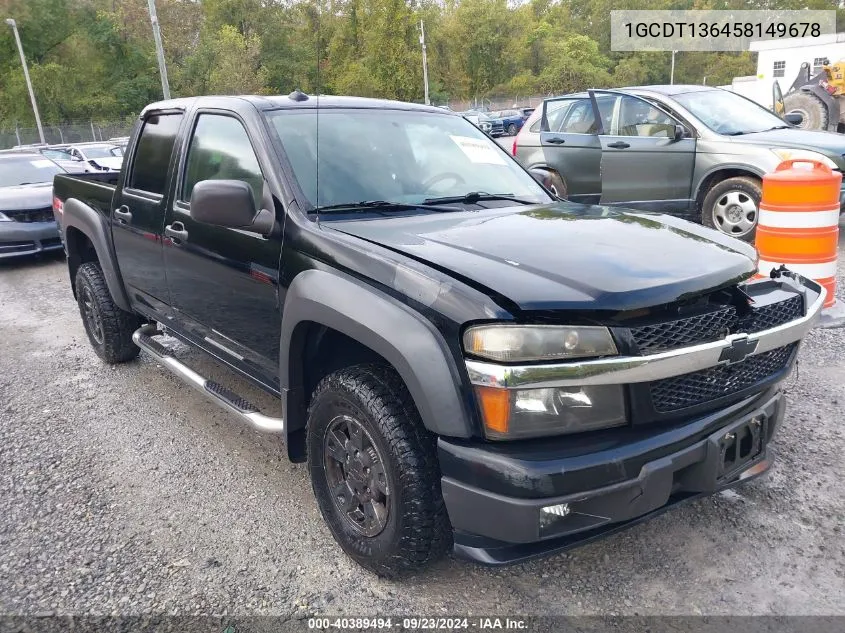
[[95, 59]]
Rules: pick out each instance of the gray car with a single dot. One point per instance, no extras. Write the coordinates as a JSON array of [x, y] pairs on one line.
[[27, 223], [692, 151]]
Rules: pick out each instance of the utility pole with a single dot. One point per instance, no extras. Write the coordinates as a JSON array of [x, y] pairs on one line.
[[671, 75], [14, 26], [162, 69], [425, 61]]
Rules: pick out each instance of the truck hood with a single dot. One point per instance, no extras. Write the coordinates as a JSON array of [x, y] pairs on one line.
[[35, 196], [565, 255], [814, 140]]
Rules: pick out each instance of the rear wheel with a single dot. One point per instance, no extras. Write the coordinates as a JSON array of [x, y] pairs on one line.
[[512, 129], [812, 109], [732, 207], [374, 471], [557, 184], [109, 328]]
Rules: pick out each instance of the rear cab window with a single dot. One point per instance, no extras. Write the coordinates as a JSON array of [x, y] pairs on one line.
[[150, 166]]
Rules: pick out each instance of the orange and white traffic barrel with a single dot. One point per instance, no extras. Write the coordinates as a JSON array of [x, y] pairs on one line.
[[799, 226]]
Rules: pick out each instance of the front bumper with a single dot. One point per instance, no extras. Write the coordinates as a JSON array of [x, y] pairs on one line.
[[495, 493], [28, 238], [501, 495]]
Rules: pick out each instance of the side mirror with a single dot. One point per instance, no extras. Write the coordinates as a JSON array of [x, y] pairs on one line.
[[680, 131], [794, 118], [229, 203]]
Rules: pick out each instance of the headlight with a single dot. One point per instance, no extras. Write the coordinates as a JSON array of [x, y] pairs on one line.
[[4, 217], [523, 343], [522, 413], [803, 154]]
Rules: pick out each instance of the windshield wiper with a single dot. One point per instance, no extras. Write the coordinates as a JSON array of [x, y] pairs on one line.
[[380, 206], [778, 127], [475, 196]]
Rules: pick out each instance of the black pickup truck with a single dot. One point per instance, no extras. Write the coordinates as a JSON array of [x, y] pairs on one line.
[[463, 360]]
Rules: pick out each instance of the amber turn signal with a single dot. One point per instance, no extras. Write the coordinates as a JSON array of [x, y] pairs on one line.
[[495, 408]]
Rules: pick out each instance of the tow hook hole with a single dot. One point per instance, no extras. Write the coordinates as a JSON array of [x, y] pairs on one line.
[[746, 444]]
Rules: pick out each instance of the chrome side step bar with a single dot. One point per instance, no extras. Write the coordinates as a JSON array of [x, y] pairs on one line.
[[232, 402]]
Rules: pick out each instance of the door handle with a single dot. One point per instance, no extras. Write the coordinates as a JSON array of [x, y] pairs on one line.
[[176, 232], [123, 214], [620, 145], [556, 140]]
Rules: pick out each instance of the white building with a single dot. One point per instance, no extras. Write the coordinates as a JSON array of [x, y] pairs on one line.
[[780, 60]]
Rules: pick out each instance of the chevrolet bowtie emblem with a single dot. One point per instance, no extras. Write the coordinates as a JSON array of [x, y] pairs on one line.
[[739, 350]]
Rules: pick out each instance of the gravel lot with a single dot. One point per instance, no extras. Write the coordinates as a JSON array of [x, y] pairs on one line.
[[124, 491]]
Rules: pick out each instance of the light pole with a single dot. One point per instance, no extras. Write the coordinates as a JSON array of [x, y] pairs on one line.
[[672, 73], [425, 62], [162, 69], [14, 26]]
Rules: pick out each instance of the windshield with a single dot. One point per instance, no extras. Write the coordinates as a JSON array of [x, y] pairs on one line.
[[396, 156], [26, 170], [98, 151], [727, 113], [56, 154]]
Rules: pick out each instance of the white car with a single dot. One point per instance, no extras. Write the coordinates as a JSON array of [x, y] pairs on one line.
[[101, 156]]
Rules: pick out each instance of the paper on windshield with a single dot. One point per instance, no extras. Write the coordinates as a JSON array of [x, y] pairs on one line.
[[478, 151], [41, 163]]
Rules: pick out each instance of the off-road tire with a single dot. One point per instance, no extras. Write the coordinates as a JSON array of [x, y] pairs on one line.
[[117, 325], [417, 529], [746, 185], [815, 112]]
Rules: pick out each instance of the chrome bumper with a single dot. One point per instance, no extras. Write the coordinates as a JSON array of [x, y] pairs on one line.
[[633, 369]]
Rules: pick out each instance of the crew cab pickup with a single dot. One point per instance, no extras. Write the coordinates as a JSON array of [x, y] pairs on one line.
[[463, 360]]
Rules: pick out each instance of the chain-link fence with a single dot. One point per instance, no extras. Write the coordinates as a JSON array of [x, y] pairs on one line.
[[75, 132], [503, 102]]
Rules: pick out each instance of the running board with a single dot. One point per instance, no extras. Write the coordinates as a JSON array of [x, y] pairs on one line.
[[229, 400]]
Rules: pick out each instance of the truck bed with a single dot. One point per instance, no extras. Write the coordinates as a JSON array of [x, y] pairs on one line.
[[95, 189]]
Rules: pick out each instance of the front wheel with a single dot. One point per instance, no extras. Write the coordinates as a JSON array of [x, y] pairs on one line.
[[374, 471], [732, 206], [512, 129]]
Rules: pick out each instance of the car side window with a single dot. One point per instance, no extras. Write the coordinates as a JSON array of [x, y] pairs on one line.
[[580, 119], [638, 117], [150, 166], [220, 149], [555, 111]]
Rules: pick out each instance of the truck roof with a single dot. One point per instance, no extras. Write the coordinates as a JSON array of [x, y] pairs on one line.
[[296, 99]]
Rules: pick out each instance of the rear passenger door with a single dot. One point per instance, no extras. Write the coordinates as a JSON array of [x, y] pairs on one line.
[[224, 281], [570, 143], [139, 217]]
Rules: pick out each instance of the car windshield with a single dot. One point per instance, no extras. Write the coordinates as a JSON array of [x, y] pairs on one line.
[[395, 156], [24, 170], [728, 113], [98, 151]]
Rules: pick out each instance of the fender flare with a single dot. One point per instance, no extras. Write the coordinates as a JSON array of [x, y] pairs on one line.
[[404, 338], [89, 222]]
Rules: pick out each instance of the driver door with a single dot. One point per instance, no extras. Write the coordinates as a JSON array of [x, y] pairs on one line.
[[643, 164], [223, 281]]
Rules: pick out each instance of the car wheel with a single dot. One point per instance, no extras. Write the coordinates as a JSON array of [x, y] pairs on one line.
[[109, 328], [512, 129], [374, 471], [557, 185], [732, 207]]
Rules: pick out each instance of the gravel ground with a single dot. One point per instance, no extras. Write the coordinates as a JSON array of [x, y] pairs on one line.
[[123, 491]]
